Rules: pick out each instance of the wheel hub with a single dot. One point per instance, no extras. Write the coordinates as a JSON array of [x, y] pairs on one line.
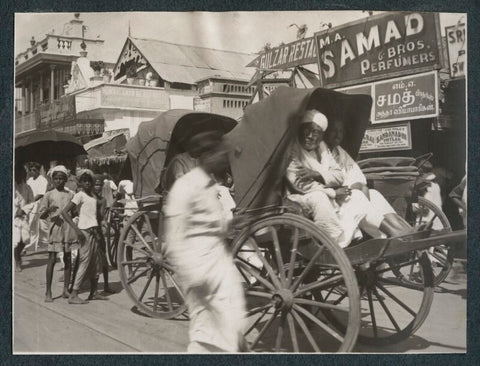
[[283, 299], [367, 277], [157, 259]]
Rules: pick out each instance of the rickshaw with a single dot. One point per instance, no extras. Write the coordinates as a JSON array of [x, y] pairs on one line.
[[400, 182], [304, 293]]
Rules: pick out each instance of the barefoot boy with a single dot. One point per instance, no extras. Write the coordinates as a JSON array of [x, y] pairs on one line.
[[61, 237]]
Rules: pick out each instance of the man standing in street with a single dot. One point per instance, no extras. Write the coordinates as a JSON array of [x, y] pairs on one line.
[[38, 228]]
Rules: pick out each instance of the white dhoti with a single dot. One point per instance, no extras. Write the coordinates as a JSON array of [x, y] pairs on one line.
[[213, 293], [376, 208], [339, 224]]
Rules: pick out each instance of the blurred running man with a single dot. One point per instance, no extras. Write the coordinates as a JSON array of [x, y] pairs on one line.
[[196, 228]]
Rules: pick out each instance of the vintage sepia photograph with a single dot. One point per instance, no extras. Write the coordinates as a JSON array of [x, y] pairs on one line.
[[240, 182]]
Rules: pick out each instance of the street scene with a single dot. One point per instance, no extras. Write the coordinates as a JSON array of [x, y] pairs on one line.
[[256, 182]]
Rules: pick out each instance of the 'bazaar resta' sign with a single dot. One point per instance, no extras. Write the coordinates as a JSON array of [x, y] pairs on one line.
[[379, 47]]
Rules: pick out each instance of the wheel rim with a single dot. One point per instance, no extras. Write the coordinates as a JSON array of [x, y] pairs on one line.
[[144, 272], [391, 309], [113, 230], [279, 260], [428, 216]]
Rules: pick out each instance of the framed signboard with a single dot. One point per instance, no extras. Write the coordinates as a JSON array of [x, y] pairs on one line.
[[457, 49], [379, 47], [406, 98], [387, 138]]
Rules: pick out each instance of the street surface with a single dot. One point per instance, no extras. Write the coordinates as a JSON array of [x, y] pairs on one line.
[[115, 326]]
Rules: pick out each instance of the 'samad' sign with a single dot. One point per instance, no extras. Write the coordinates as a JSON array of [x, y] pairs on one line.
[[379, 47]]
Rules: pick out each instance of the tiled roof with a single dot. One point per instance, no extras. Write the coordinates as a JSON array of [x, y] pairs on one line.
[[189, 64]]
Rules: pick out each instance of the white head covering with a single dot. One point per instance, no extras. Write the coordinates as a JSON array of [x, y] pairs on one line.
[[85, 171], [58, 168], [316, 117]]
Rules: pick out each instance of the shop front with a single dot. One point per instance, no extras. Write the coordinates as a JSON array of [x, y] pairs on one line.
[[418, 108]]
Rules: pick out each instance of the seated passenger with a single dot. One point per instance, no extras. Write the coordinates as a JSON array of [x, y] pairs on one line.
[[182, 163], [392, 224], [312, 176]]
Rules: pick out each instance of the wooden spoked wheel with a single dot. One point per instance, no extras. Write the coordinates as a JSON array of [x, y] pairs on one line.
[[112, 234], [391, 309], [280, 260], [425, 215], [144, 272]]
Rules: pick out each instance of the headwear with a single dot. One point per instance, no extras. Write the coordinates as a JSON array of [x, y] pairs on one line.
[[58, 168], [85, 171], [316, 117]]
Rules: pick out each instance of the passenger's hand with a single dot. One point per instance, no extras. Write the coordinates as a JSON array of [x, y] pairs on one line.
[[307, 174], [343, 192]]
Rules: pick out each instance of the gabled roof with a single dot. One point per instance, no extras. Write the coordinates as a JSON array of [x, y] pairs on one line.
[[188, 64]]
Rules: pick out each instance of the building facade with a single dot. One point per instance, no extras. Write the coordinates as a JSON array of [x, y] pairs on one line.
[[63, 83], [42, 72]]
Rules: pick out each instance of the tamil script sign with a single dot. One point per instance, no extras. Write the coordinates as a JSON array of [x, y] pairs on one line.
[[409, 97], [457, 49], [379, 47], [397, 137], [300, 52]]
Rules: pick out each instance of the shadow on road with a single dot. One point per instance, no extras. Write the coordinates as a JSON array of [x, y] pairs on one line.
[[183, 317], [461, 292], [413, 343], [31, 262]]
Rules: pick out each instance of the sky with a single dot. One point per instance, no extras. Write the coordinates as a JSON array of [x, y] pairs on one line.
[[237, 31]]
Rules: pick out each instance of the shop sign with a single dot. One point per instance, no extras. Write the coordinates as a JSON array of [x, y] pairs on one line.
[[457, 50], [410, 97], [376, 139], [58, 112], [300, 52], [374, 48], [130, 96]]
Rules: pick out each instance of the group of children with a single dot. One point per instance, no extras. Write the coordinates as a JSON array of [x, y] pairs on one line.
[[75, 227]]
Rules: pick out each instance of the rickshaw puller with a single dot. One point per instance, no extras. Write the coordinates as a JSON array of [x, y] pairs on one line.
[[196, 228]]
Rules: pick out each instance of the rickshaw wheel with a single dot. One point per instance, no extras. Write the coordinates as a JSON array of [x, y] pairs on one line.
[[112, 234], [144, 272], [440, 255], [391, 309], [282, 262]]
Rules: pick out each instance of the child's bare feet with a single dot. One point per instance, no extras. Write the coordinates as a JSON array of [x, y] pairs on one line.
[[48, 297], [97, 297], [74, 299]]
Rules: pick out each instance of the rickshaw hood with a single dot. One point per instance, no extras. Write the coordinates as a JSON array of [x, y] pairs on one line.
[[261, 139], [150, 149]]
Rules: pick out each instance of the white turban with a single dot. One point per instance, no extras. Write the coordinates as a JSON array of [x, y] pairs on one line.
[[58, 168], [85, 171], [316, 117]]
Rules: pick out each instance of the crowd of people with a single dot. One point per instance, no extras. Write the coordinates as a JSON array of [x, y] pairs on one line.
[[65, 213], [321, 176]]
